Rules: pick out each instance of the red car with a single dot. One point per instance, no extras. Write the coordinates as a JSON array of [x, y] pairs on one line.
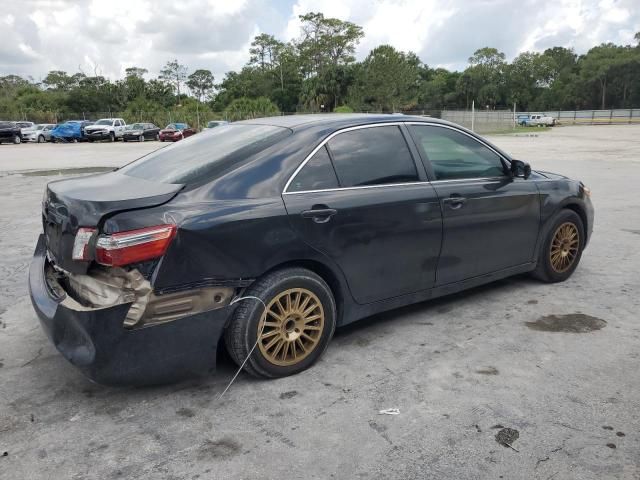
[[176, 131]]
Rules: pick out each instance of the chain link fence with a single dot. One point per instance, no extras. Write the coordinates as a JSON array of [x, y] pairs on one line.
[[482, 121], [487, 121]]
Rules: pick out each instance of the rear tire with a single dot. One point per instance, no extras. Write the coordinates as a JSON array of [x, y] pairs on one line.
[[17, 140], [561, 249], [41, 139], [295, 333]]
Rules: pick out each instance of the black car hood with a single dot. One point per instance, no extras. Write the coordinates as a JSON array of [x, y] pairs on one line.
[[86, 201]]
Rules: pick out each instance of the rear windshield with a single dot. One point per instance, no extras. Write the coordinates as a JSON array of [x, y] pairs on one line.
[[206, 154]]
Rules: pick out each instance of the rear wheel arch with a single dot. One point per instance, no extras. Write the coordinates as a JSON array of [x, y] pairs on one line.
[[325, 273]]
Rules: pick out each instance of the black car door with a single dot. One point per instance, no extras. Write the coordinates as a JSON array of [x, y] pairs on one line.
[[363, 200], [150, 131], [490, 218]]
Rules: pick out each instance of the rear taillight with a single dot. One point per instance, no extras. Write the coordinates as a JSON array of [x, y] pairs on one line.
[[124, 248]]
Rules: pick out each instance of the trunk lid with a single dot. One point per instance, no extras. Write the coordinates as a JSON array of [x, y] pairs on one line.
[[86, 201]]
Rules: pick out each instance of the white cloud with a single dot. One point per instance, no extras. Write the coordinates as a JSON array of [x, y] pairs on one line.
[[110, 35]]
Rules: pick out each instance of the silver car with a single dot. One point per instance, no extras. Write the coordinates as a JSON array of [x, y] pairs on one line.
[[38, 133]]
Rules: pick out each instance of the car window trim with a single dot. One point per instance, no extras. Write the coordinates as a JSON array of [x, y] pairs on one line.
[[349, 129], [429, 167], [399, 124]]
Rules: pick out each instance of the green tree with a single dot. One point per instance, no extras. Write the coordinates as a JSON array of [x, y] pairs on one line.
[[137, 72], [326, 45], [243, 108], [201, 83], [264, 51], [58, 80], [174, 73], [389, 79], [597, 66], [487, 69]]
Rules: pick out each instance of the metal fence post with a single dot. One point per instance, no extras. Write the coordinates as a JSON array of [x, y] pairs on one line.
[[473, 113]]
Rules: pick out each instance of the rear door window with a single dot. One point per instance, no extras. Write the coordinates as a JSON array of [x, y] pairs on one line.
[[372, 156], [317, 174]]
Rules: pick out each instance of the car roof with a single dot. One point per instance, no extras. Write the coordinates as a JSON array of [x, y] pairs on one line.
[[323, 122], [342, 119]]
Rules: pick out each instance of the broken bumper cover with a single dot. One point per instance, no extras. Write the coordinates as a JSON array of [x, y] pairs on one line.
[[96, 342]]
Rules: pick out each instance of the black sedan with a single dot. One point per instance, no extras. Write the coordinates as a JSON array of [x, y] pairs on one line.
[[10, 132], [141, 132], [265, 235]]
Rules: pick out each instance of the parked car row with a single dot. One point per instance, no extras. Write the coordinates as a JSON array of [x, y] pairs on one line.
[[110, 129]]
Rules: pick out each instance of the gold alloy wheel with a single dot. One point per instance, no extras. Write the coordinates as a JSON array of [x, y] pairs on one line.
[[291, 327], [564, 247]]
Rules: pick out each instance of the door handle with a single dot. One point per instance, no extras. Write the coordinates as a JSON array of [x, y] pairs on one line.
[[319, 215], [455, 201]]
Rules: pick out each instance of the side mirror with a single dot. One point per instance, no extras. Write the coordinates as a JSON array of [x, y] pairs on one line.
[[520, 169]]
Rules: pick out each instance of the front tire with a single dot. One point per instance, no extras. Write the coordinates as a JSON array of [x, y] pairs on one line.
[[562, 248], [295, 329], [16, 139], [112, 137]]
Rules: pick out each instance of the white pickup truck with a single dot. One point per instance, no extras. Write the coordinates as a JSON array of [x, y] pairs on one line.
[[105, 129], [536, 119]]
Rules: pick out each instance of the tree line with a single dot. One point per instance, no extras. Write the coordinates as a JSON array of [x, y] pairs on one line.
[[318, 72]]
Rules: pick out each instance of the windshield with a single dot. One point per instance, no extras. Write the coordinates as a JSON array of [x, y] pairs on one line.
[[104, 122], [135, 126], [204, 155]]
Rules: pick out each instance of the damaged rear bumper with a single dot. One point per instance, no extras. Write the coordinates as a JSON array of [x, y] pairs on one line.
[[96, 342]]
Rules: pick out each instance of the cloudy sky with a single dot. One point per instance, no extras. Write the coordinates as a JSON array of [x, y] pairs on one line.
[[107, 36]]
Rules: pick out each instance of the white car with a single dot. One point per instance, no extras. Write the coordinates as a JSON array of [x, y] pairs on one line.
[[105, 129], [38, 133], [25, 128]]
